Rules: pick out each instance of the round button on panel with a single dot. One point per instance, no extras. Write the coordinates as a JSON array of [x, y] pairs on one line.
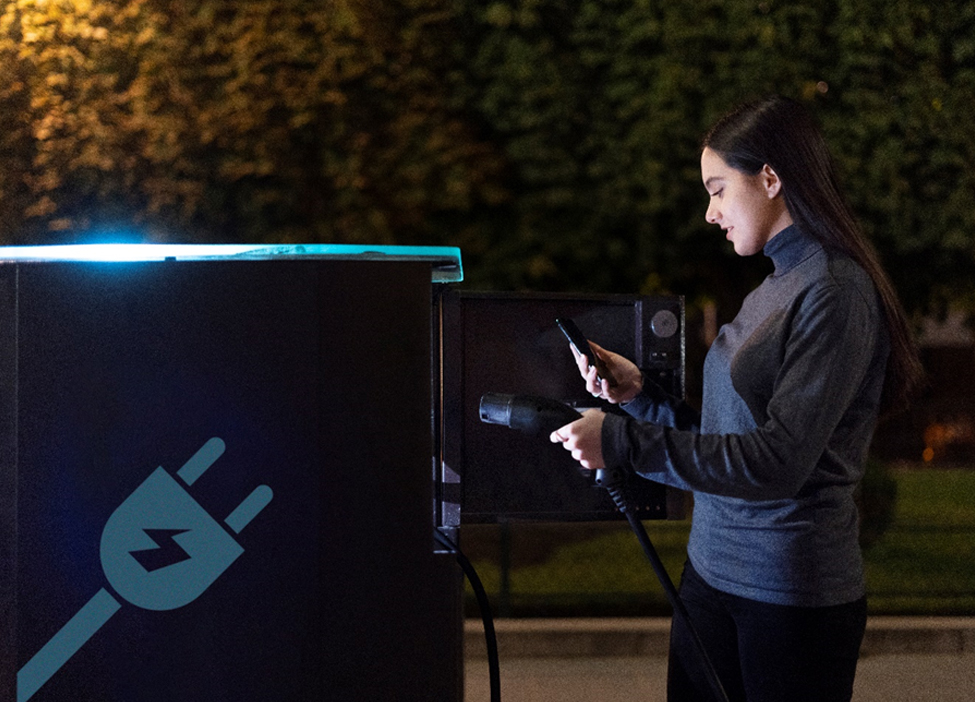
[[664, 324]]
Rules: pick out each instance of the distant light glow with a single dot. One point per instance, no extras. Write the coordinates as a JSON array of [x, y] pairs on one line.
[[445, 260]]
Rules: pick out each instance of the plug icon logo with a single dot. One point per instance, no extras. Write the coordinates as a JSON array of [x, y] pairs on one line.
[[160, 550]]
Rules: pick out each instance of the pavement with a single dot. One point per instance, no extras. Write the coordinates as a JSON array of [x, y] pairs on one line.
[[903, 659]]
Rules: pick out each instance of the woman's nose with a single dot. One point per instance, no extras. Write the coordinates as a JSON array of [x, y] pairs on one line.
[[712, 215]]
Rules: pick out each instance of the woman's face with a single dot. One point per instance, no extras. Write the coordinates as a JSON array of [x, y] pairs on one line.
[[749, 208]]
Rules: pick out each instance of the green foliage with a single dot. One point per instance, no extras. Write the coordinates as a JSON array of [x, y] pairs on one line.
[[555, 143], [601, 107], [919, 559], [922, 564], [266, 120], [876, 499], [914, 81]]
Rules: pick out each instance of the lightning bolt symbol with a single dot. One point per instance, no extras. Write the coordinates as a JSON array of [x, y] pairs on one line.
[[166, 552]]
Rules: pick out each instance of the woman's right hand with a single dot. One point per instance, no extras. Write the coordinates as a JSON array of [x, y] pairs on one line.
[[629, 379]]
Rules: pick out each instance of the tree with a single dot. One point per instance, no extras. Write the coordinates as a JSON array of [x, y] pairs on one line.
[[902, 117], [556, 145], [600, 108], [267, 120]]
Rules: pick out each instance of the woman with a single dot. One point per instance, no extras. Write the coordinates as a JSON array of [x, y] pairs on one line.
[[792, 391]]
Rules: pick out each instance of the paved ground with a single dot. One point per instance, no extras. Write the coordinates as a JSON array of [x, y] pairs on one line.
[[881, 678], [904, 660]]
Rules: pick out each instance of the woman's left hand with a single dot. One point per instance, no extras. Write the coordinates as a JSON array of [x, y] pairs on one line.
[[584, 439], [629, 379]]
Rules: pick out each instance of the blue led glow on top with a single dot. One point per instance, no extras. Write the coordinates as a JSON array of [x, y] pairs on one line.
[[445, 260]]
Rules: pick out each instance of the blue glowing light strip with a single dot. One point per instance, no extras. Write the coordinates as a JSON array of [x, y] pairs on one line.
[[445, 260]]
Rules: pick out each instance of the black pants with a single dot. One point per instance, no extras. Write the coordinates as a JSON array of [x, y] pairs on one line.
[[764, 652]]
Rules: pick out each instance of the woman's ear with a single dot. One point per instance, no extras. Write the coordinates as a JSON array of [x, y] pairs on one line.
[[771, 182]]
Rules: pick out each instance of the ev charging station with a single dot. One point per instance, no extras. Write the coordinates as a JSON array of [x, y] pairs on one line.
[[221, 467]]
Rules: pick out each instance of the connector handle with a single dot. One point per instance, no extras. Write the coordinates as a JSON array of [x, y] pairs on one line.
[[533, 415]]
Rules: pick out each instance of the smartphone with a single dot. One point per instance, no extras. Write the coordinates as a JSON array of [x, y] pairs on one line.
[[581, 344]]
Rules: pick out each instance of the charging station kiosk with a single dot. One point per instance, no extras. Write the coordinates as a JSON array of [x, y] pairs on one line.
[[221, 467], [215, 476]]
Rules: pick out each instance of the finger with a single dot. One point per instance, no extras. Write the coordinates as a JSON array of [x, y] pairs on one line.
[[592, 381], [581, 359], [582, 363], [562, 434], [579, 456]]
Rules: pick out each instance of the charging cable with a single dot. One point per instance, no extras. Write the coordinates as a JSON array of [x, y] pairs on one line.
[[614, 482], [490, 637], [541, 416]]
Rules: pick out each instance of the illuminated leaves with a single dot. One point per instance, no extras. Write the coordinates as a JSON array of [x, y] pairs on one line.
[[287, 119], [556, 145]]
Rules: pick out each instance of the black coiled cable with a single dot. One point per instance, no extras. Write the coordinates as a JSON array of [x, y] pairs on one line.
[[613, 481]]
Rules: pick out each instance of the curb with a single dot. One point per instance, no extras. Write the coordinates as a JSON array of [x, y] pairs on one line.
[[612, 637]]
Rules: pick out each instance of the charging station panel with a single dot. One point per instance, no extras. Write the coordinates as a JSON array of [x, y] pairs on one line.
[[509, 343], [215, 484]]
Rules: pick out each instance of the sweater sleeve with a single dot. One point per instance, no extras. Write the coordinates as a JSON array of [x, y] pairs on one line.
[[656, 405], [827, 357]]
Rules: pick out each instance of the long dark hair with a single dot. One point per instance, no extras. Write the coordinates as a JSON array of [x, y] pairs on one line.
[[779, 132]]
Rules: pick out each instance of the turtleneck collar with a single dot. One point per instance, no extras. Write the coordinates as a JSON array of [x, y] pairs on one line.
[[789, 248]]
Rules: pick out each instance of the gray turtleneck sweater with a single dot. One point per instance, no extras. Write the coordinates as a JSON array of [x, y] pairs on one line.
[[791, 394]]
